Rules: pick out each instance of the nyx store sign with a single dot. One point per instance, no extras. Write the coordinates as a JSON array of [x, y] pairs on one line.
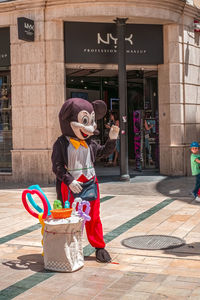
[[4, 47], [26, 29], [97, 43]]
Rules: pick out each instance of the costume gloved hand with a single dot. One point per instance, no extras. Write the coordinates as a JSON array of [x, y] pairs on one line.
[[102, 255], [113, 133], [75, 186]]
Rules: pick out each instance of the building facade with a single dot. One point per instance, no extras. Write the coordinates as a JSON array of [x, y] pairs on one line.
[[34, 86]]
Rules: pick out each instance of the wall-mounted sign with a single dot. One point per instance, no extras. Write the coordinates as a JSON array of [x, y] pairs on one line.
[[26, 29], [97, 43], [4, 47]]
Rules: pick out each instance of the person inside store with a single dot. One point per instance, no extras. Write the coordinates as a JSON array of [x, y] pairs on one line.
[[117, 149], [148, 126], [108, 126], [111, 121]]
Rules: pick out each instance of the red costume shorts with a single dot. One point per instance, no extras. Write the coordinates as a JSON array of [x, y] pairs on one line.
[[94, 228]]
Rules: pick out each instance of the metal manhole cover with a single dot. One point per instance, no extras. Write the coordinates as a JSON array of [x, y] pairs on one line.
[[153, 242]]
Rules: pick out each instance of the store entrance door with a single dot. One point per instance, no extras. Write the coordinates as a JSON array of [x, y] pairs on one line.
[[143, 139]]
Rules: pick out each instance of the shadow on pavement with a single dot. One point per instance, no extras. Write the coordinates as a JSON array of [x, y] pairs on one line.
[[176, 186], [192, 249], [89, 258], [33, 262]]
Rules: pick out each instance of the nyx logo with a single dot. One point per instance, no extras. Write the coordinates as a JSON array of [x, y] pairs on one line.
[[29, 26], [109, 38]]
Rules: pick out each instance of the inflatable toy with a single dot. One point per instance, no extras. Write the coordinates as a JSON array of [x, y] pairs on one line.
[[42, 230], [41, 196], [31, 200]]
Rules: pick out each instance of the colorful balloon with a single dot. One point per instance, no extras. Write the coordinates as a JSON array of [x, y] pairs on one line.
[[57, 204], [31, 200], [84, 214], [76, 200], [40, 217], [41, 196], [67, 204]]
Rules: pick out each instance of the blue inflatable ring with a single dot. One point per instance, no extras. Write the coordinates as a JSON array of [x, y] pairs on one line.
[[32, 202]]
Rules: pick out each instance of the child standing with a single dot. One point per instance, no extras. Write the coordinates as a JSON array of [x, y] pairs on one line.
[[195, 167]]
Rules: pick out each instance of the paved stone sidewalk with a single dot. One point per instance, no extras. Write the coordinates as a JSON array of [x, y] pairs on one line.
[[148, 205]]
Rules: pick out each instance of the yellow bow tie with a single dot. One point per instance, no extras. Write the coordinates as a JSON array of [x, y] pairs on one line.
[[77, 143]]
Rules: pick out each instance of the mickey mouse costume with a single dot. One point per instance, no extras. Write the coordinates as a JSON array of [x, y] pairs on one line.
[[73, 157]]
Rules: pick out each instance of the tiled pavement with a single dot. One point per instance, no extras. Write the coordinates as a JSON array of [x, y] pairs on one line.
[[146, 205]]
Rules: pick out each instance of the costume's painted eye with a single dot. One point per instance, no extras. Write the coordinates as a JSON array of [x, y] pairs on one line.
[[85, 120], [92, 121], [92, 118]]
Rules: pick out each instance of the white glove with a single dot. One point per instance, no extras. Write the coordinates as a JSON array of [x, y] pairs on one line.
[[75, 187], [113, 133]]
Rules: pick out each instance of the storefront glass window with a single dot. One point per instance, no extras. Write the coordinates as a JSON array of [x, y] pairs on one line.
[[5, 123], [142, 103]]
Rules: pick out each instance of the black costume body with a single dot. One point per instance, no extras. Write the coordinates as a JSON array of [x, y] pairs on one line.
[[60, 159]]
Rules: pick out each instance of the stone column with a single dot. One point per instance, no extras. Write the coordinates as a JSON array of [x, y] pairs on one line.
[[178, 90], [171, 117], [37, 76], [29, 120], [191, 73], [55, 83]]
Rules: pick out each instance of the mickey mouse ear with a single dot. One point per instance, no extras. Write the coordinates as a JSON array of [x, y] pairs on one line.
[[65, 111], [100, 109]]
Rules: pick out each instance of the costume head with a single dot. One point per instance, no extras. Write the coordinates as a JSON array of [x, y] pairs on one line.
[[78, 117]]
